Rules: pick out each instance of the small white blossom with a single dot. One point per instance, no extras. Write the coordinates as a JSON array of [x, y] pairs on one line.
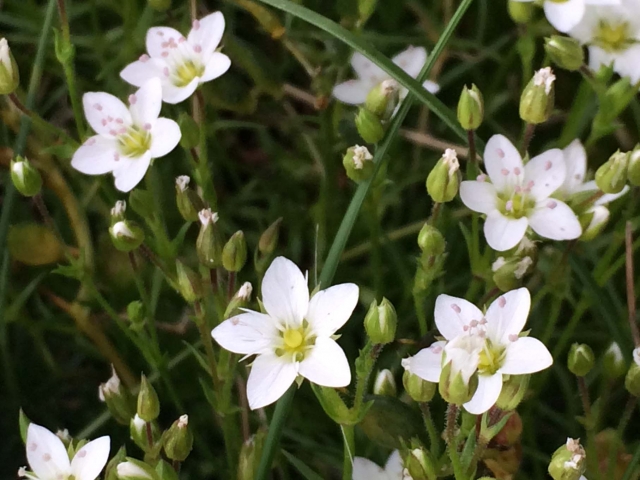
[[181, 63], [294, 337], [360, 155], [119, 208], [183, 421], [182, 182], [207, 217], [110, 386], [244, 293], [365, 469], [522, 267], [121, 229], [498, 264], [450, 158], [564, 15], [545, 77]]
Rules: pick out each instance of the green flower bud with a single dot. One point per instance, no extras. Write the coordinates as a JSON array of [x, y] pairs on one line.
[[358, 163], [418, 389], [240, 300], [385, 384], [209, 243], [568, 461], [119, 401], [188, 201], [383, 99], [166, 471], [134, 469], [537, 100], [178, 440], [9, 73], [520, 12], [189, 129], [430, 240], [513, 391], [111, 470], [188, 283], [470, 108], [443, 180], [633, 173], [613, 362], [593, 222], [250, 456], [138, 432], [632, 380], [369, 126], [126, 235], [507, 274], [234, 253], [136, 314], [148, 403], [581, 359], [269, 238], [366, 9], [160, 5], [420, 464], [380, 322], [566, 52], [611, 177], [454, 388], [25, 177]]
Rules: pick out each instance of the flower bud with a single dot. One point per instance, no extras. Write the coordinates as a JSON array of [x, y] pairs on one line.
[[513, 391], [25, 177], [234, 253], [148, 403], [166, 471], [613, 362], [111, 470], [383, 99], [581, 359], [188, 201], [537, 100], [134, 469], [138, 432], [430, 240], [520, 12], [240, 300], [209, 244], [136, 314], [358, 163], [418, 389], [269, 238], [189, 130], [593, 222], [632, 380], [566, 52], [385, 384], [470, 108], [633, 173], [250, 456], [507, 274], [178, 440], [126, 235], [9, 73], [420, 464], [443, 180], [117, 398], [568, 461], [454, 388], [188, 283], [611, 177], [160, 5], [369, 126], [380, 322]]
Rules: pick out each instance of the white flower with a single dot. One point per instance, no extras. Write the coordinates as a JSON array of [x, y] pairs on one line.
[[361, 155], [518, 196], [48, 458], [294, 337], [365, 469], [354, 92], [182, 182], [487, 343], [206, 216], [181, 63], [566, 14], [244, 293], [612, 33], [545, 77], [128, 138]]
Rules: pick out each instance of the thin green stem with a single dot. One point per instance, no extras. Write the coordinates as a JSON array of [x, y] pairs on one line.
[[432, 431], [349, 441], [452, 446]]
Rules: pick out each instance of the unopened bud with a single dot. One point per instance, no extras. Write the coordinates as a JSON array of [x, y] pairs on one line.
[[148, 403], [209, 243], [138, 432], [470, 108], [190, 131], [430, 240], [9, 73], [632, 380], [581, 359], [513, 391], [269, 238], [358, 163], [419, 464], [134, 469], [250, 456], [443, 180], [633, 172], [568, 461], [418, 389], [613, 362], [385, 384], [383, 99], [178, 440], [453, 388], [566, 52], [538, 97], [611, 177], [119, 401], [136, 314], [234, 253], [126, 235], [188, 201], [521, 12], [381, 321], [118, 211], [240, 300], [188, 283], [369, 126], [160, 5], [508, 274], [25, 177]]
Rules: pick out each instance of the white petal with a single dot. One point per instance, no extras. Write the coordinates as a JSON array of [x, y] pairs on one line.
[[394, 466], [452, 314], [331, 308], [411, 60], [270, 377], [502, 161], [172, 94], [599, 57], [504, 233], [564, 16], [575, 160], [554, 219], [285, 294], [478, 196], [365, 469], [246, 334], [627, 63], [89, 461], [367, 70], [507, 315], [600, 218], [131, 171], [431, 87], [547, 171], [165, 136], [96, 156], [489, 388], [217, 65], [103, 111], [46, 454], [140, 72], [427, 363], [326, 364], [206, 33], [526, 355], [610, 197], [159, 40], [146, 103], [353, 92]]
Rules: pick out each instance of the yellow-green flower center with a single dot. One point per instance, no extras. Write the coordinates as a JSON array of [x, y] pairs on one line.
[[612, 37], [491, 358], [292, 339], [186, 72], [296, 341], [517, 205], [135, 142]]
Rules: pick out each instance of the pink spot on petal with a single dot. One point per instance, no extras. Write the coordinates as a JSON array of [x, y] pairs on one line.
[[82, 453], [133, 99], [144, 58], [481, 178], [164, 44], [46, 457], [165, 54], [196, 24], [119, 120], [147, 126], [116, 156], [517, 171], [552, 205], [548, 165], [504, 171], [33, 446], [197, 48], [455, 308], [513, 337], [98, 107], [160, 33], [90, 142], [165, 71], [500, 153], [436, 349], [465, 328], [474, 323], [113, 132], [104, 122], [235, 321], [502, 302]]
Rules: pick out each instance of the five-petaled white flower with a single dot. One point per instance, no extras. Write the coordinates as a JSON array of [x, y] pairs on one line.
[[294, 336], [49, 460], [489, 344], [127, 138], [518, 196], [612, 33], [181, 63], [566, 14], [365, 469], [354, 92]]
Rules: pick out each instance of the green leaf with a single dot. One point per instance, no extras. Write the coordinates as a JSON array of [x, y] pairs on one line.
[[302, 467]]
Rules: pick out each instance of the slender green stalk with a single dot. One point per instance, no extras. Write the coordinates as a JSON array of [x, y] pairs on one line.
[[348, 438], [432, 431]]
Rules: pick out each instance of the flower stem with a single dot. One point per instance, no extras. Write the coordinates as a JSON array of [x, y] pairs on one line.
[[434, 438], [452, 447], [472, 163], [207, 341], [349, 441], [231, 286], [592, 457], [529, 130], [631, 297], [41, 123]]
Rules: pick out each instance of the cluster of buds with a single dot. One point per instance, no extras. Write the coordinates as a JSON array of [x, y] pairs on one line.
[[378, 108], [510, 270], [381, 322], [432, 246], [538, 97], [444, 179], [126, 235], [568, 461], [358, 163]]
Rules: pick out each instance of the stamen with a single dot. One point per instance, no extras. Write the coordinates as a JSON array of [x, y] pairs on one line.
[[481, 178], [98, 107], [502, 302], [552, 204], [196, 24], [500, 153], [509, 206], [197, 48], [504, 171], [517, 171], [455, 308], [513, 337], [144, 58], [147, 126], [548, 165], [165, 54], [133, 99]]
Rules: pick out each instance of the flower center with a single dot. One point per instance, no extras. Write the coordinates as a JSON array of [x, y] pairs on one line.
[[491, 358], [292, 339], [516, 205], [612, 37], [134, 142], [186, 72], [296, 341]]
